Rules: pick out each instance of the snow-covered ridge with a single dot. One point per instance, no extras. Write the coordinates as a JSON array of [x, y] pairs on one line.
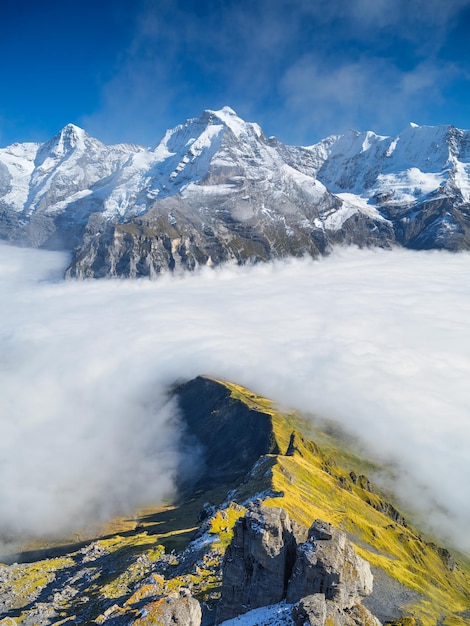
[[359, 187], [128, 178], [418, 161]]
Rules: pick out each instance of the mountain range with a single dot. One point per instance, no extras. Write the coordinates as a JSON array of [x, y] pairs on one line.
[[216, 190]]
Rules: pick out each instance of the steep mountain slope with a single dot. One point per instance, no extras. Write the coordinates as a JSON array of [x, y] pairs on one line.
[[47, 192], [143, 564], [220, 193], [215, 189]]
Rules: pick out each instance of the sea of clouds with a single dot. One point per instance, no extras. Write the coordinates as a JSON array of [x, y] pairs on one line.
[[378, 341]]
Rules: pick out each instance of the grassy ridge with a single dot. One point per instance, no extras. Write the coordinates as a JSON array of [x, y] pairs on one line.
[[315, 475], [321, 483]]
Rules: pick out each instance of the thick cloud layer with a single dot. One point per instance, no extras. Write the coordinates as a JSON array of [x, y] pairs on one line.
[[378, 341]]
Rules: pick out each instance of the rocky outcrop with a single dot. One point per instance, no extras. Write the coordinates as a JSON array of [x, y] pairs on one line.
[[266, 563], [258, 562], [328, 564]]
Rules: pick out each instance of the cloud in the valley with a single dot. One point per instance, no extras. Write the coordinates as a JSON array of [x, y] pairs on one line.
[[377, 341]]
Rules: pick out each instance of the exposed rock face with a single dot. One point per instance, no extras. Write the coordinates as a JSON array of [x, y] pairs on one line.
[[327, 563], [265, 563], [310, 610], [236, 438], [258, 562]]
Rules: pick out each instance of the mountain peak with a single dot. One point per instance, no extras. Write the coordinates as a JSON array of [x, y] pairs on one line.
[[72, 128], [72, 134], [234, 122], [226, 110], [67, 139]]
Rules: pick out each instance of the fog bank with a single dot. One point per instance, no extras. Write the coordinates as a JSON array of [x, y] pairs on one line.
[[378, 341]]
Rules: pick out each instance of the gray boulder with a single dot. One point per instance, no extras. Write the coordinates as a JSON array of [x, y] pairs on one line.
[[310, 610]]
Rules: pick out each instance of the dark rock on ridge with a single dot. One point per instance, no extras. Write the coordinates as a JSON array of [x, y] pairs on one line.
[[266, 563], [258, 562], [217, 422]]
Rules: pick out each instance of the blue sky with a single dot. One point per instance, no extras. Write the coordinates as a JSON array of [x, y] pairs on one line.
[[128, 70]]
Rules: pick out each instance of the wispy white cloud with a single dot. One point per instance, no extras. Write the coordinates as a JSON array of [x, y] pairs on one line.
[[282, 64], [369, 93], [378, 341]]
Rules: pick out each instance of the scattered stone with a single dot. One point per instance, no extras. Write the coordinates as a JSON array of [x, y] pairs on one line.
[[92, 551]]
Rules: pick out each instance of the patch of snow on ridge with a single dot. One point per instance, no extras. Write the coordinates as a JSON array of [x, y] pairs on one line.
[[352, 204], [462, 179], [408, 185], [422, 147]]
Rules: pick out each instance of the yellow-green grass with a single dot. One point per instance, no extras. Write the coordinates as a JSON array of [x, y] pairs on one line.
[[222, 525], [315, 483], [30, 579]]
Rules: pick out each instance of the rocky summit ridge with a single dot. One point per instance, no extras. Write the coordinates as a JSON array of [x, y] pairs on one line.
[[296, 533], [216, 190]]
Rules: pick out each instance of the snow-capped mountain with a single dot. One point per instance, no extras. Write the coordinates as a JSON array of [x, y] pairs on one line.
[[215, 189]]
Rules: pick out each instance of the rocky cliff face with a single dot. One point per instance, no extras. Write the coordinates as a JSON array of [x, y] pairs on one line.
[[216, 190], [265, 563], [229, 435], [258, 563]]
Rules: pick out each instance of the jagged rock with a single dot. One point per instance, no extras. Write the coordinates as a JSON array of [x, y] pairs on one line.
[[171, 610], [266, 563], [258, 562], [445, 556], [327, 563]]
